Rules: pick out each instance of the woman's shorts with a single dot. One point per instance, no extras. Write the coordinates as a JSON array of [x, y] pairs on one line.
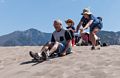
[[93, 26]]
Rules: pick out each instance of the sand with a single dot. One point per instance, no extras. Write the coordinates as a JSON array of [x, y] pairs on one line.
[[15, 62]]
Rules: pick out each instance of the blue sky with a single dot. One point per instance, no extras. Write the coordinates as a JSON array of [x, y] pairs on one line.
[[24, 14]]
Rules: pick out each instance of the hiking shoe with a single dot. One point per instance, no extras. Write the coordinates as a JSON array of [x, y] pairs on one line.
[[35, 56], [92, 48], [44, 55]]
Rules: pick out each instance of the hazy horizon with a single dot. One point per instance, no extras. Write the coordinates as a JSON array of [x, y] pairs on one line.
[[44, 31]]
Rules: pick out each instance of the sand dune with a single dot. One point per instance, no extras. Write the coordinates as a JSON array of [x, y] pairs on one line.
[[83, 63]]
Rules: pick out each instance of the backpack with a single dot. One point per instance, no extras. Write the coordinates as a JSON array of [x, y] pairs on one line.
[[100, 18], [100, 24]]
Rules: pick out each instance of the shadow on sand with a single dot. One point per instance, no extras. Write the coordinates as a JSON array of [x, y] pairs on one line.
[[35, 62]]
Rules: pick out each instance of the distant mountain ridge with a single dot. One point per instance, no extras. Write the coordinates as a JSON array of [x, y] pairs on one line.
[[110, 37], [34, 37], [25, 38]]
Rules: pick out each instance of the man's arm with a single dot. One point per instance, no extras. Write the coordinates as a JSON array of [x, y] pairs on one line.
[[68, 43], [66, 47]]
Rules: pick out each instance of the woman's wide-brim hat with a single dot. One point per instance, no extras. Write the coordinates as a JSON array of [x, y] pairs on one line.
[[86, 11]]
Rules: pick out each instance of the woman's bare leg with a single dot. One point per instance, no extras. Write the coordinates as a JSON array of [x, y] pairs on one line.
[[92, 39], [93, 36]]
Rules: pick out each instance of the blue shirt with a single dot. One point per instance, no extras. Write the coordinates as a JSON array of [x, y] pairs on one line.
[[91, 17]]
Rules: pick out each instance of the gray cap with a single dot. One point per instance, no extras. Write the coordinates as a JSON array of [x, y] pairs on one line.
[[58, 21]]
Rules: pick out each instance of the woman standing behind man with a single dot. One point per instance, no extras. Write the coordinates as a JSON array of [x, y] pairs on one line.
[[95, 24]]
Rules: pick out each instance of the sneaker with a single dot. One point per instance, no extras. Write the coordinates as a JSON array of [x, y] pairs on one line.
[[92, 48], [44, 55], [34, 55]]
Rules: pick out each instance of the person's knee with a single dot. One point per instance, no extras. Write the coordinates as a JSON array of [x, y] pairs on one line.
[[96, 29], [91, 37], [49, 45]]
